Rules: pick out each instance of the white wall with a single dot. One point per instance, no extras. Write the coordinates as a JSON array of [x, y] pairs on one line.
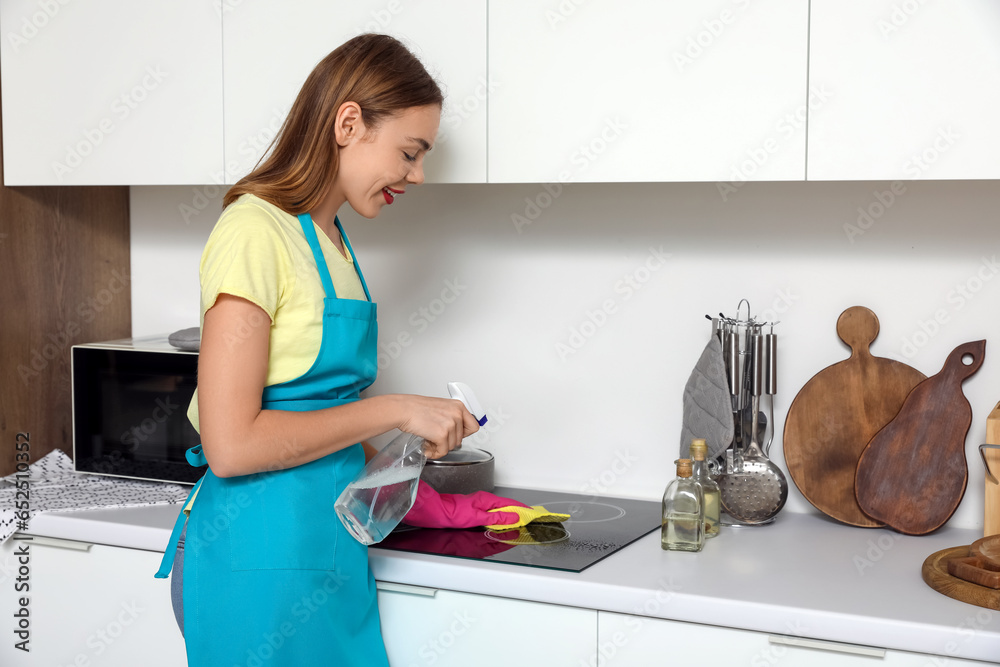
[[606, 418]]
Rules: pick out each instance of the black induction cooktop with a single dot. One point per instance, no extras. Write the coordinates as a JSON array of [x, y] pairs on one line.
[[598, 526]]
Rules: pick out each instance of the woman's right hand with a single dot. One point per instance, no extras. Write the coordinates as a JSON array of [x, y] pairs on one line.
[[442, 422]]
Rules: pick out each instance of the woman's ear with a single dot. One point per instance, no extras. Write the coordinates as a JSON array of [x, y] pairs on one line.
[[349, 124]]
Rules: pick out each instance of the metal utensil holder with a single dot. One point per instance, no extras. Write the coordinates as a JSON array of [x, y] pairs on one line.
[[742, 360]]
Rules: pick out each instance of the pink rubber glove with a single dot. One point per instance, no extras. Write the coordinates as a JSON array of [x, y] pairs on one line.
[[453, 510]]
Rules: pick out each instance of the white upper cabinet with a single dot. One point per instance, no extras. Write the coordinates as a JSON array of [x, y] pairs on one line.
[[111, 92], [272, 45], [646, 90], [914, 90]]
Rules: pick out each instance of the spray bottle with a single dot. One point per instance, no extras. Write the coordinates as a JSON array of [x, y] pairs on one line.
[[384, 491]]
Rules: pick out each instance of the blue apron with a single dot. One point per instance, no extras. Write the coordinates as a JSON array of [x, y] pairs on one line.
[[271, 577]]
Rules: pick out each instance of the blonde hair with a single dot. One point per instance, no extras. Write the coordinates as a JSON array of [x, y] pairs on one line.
[[375, 71]]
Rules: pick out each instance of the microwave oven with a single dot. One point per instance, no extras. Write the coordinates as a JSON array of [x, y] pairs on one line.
[[130, 399]]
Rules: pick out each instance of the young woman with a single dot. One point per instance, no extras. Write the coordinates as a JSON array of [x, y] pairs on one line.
[[288, 340]]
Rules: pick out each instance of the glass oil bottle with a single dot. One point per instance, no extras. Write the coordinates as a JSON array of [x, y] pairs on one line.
[[683, 512], [710, 488]]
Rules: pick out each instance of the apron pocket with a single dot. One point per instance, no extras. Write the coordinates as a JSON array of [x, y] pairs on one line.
[[285, 520]]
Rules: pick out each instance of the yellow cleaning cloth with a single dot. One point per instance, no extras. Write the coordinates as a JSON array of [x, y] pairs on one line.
[[526, 515]]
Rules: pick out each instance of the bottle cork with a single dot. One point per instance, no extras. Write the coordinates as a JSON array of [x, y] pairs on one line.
[[698, 449], [683, 467]]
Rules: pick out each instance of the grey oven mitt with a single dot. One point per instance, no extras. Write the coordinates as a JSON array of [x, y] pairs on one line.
[[186, 339], [708, 408]]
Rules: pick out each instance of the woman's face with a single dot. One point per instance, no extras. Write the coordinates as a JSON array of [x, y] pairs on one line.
[[377, 165]]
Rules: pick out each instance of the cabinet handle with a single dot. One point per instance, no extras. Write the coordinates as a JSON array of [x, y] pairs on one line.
[[60, 543], [390, 587], [835, 647]]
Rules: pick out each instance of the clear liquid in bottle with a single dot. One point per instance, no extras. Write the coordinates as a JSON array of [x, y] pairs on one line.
[[709, 487], [684, 532], [683, 515], [373, 504]]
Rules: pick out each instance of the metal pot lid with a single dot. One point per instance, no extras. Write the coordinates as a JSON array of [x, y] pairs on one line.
[[462, 456]]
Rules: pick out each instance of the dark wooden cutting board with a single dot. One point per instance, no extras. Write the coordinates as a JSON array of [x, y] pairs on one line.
[[837, 412], [913, 473]]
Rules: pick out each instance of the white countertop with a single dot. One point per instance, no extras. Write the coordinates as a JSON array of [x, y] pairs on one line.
[[805, 575]]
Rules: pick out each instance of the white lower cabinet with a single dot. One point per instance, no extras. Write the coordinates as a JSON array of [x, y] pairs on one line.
[[427, 626], [87, 606], [637, 641]]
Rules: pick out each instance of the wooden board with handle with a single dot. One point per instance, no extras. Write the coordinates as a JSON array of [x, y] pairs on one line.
[[991, 514], [835, 415], [913, 473]]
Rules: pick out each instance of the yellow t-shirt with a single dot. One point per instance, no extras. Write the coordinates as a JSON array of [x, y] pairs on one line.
[[258, 252]]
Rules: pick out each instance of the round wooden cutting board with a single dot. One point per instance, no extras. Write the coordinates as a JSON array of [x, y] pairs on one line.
[[935, 574], [837, 412]]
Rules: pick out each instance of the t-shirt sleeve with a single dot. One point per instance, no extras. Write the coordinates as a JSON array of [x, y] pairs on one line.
[[246, 256]]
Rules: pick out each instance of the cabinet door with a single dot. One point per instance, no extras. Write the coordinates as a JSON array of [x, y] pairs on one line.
[[914, 90], [637, 641], [426, 626], [645, 90], [272, 45], [89, 605], [111, 92]]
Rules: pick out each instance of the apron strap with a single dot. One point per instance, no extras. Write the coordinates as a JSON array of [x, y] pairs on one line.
[[324, 272], [357, 267], [195, 457], [175, 536]]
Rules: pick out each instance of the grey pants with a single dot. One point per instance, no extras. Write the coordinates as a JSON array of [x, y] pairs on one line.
[[177, 583]]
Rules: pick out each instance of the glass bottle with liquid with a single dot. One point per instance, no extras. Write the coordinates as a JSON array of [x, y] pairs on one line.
[[683, 512], [710, 488]]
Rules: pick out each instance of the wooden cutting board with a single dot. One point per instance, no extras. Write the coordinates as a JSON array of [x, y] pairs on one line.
[[935, 574], [991, 510], [837, 412], [912, 475]]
